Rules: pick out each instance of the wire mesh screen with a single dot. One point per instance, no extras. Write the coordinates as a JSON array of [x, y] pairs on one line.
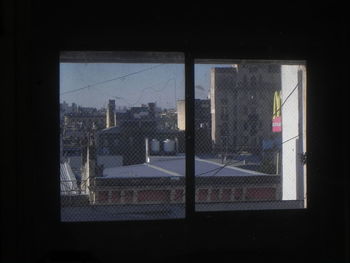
[[122, 141], [122, 119], [250, 135]]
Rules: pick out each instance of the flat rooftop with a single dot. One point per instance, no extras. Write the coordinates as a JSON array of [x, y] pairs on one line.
[[176, 166]]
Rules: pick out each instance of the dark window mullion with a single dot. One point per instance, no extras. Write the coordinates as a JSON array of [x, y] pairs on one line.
[[190, 151]]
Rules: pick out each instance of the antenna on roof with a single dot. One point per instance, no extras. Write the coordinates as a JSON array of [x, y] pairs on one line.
[[147, 150]]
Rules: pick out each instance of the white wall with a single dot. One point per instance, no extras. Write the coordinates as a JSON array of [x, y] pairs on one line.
[[293, 172], [181, 117]]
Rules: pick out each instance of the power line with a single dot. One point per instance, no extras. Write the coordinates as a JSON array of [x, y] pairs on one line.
[[110, 80], [221, 167], [217, 170], [153, 89], [228, 163], [296, 86]]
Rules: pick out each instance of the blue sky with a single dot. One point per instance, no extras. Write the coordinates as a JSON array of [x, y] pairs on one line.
[[143, 83]]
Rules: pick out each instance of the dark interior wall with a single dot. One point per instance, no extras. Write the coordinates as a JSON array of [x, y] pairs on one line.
[[35, 31]]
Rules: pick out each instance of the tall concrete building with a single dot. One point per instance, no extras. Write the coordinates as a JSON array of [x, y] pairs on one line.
[[110, 115], [241, 105], [202, 114], [180, 108], [202, 123]]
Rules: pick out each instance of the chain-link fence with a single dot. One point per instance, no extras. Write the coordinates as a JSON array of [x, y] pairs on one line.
[[123, 136]]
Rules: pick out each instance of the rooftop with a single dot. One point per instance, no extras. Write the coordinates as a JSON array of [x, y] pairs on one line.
[[175, 166]]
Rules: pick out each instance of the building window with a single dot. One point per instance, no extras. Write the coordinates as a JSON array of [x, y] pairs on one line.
[[179, 195], [202, 195], [116, 197], [156, 196], [238, 194], [214, 195], [260, 194], [128, 197], [226, 195], [102, 196]]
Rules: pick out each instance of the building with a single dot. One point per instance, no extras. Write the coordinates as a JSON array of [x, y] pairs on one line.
[[110, 114], [241, 105], [162, 181], [128, 137], [76, 125], [202, 123], [181, 114], [84, 121], [128, 144], [168, 119], [89, 168]]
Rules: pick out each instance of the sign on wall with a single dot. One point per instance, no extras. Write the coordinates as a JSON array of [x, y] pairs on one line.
[[276, 118]]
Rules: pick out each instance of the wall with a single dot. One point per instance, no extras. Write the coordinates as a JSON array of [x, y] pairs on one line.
[[292, 146], [180, 107], [39, 29]]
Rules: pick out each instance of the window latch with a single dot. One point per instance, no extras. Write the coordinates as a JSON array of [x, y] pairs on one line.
[[303, 158]]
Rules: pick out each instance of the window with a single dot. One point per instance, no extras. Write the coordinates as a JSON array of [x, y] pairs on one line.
[[120, 111], [116, 197], [258, 156], [127, 125], [226, 195], [238, 194], [102, 196], [214, 195], [202, 195]]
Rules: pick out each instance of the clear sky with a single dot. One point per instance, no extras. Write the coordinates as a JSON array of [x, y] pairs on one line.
[[92, 84]]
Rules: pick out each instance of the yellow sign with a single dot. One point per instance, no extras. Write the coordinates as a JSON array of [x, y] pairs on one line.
[[276, 104], [276, 116]]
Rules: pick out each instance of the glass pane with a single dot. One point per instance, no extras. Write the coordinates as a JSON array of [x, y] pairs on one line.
[[250, 135], [122, 147]]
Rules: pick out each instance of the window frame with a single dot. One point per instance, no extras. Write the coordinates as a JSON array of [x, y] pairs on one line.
[[191, 215]]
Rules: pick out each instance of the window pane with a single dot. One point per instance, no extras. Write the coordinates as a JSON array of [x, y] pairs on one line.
[[122, 143], [250, 135]]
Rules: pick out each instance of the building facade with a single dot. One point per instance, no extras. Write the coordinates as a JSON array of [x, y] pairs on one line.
[[202, 123], [110, 114], [160, 182], [128, 138], [241, 105]]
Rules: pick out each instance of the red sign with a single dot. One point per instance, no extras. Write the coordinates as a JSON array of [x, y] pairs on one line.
[[277, 124], [276, 117]]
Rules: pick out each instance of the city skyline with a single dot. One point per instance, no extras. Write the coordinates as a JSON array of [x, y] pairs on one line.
[[130, 84]]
